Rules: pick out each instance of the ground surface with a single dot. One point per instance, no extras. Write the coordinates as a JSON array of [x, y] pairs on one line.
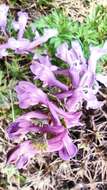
[[78, 9], [89, 169]]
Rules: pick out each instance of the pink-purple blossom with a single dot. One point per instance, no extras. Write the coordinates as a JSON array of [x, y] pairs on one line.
[[19, 129], [29, 95], [20, 46], [75, 59], [57, 138], [43, 70], [21, 24], [83, 75], [23, 124], [3, 53], [47, 34], [60, 142], [3, 16], [25, 46], [20, 156]]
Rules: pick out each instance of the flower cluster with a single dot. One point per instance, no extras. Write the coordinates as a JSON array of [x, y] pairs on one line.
[[83, 74], [54, 112], [21, 45], [46, 123]]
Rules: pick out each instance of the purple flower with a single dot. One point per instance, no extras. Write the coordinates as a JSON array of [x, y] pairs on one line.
[[32, 115], [61, 142], [44, 71], [19, 46], [48, 33], [74, 120], [20, 129], [24, 46], [23, 125], [77, 50], [21, 24], [39, 40], [29, 95], [21, 154], [69, 150], [59, 113], [95, 54], [75, 58], [88, 85], [3, 53], [86, 90], [3, 16], [63, 53], [84, 77], [74, 103], [3, 50]]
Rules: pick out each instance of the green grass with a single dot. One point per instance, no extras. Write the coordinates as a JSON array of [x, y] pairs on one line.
[[93, 31]]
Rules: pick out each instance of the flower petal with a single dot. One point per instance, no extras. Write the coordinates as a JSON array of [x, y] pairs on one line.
[[95, 54], [29, 95], [21, 154], [67, 153], [3, 16]]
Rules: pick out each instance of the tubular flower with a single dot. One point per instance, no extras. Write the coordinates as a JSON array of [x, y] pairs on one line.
[[23, 125], [44, 71], [60, 142], [75, 58], [29, 95], [77, 62], [19, 128], [21, 23], [48, 33], [20, 46], [54, 126], [83, 73], [24, 46], [95, 54], [3, 53], [21, 154], [56, 114], [86, 90], [3, 16]]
